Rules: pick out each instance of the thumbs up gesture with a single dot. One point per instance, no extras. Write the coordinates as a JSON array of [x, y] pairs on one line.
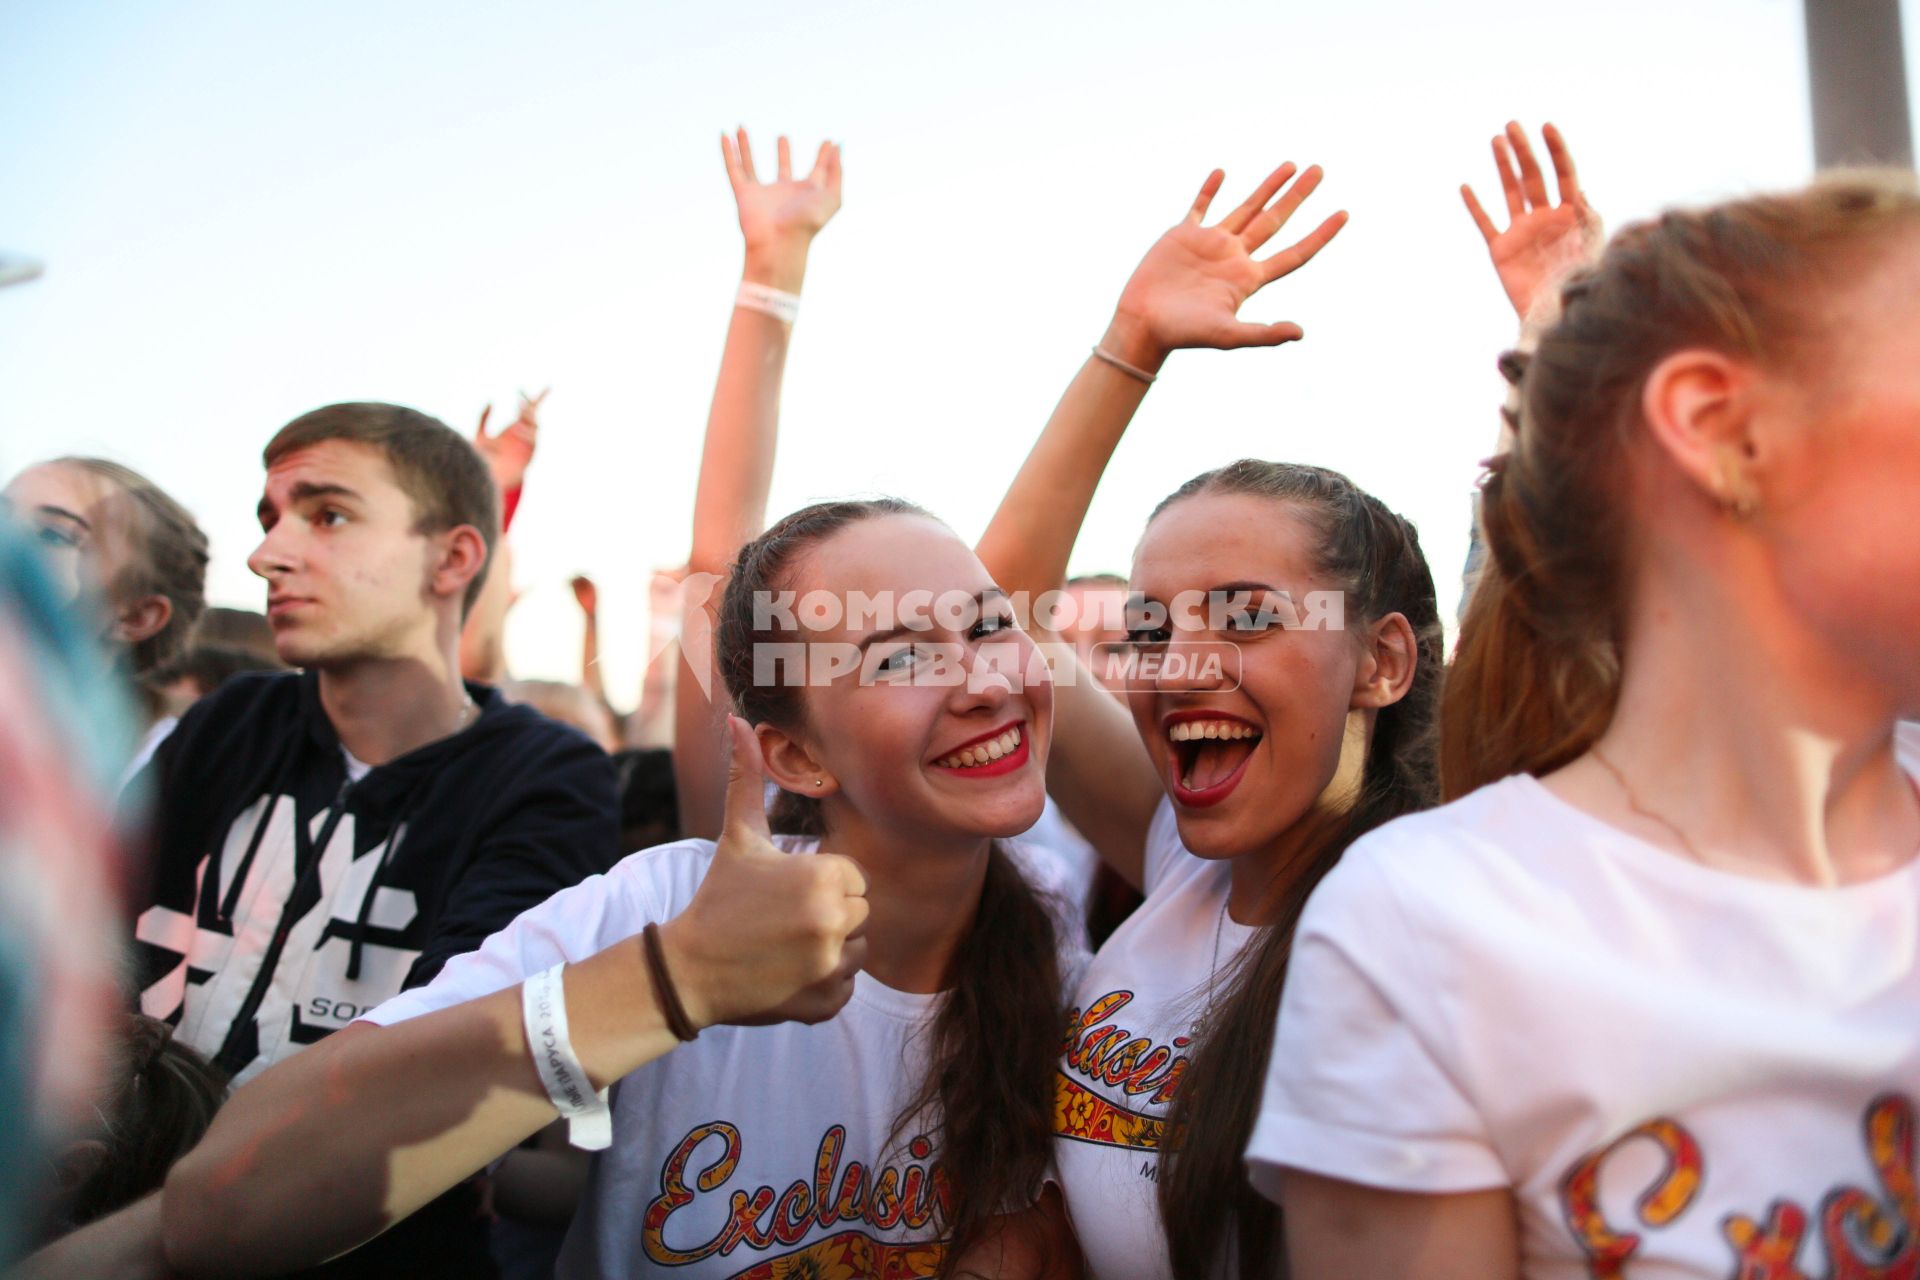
[[769, 936]]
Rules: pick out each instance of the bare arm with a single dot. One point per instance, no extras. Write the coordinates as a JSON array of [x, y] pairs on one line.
[[778, 221], [1337, 1230], [483, 637], [1186, 292], [1543, 244], [342, 1140], [124, 1245], [332, 1146], [651, 724], [587, 596]]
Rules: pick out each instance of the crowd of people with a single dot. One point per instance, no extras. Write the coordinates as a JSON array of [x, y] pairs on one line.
[[935, 914]]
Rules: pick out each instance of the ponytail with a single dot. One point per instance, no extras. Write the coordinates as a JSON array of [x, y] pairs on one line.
[[1537, 671]]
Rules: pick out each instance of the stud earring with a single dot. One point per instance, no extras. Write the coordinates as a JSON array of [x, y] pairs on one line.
[[818, 783]]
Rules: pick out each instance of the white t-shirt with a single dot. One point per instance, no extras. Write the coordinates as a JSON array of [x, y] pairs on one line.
[[1128, 1034], [792, 1120], [1678, 1070], [1073, 856]]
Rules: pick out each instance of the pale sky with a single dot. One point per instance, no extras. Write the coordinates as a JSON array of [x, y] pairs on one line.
[[249, 210]]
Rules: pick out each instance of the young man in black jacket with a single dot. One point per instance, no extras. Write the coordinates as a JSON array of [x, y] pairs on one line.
[[327, 837]]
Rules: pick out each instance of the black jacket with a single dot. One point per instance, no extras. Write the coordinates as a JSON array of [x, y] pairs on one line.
[[285, 901]]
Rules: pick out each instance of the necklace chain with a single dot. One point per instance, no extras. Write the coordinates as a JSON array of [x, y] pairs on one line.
[[1213, 966], [1633, 802]]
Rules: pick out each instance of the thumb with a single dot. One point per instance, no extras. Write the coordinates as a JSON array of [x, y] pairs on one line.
[[746, 808], [1261, 335]]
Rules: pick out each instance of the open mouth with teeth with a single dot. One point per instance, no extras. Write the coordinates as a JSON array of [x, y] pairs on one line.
[[988, 757], [1209, 758]]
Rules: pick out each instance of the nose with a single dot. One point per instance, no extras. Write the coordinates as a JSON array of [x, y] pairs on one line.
[[273, 555], [1194, 662], [993, 675]]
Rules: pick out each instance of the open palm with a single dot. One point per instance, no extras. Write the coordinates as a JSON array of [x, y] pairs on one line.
[[787, 210], [1188, 290], [1544, 241]]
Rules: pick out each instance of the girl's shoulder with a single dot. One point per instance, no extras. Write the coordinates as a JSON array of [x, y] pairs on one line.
[[1492, 852]]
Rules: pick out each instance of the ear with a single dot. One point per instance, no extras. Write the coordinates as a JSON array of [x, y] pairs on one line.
[[141, 619], [791, 766], [1388, 665], [463, 554], [1699, 408]]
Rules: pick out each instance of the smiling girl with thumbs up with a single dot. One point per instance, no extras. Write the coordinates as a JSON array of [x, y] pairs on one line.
[[871, 1029]]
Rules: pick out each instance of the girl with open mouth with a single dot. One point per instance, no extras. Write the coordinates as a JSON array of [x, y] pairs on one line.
[[1258, 750]]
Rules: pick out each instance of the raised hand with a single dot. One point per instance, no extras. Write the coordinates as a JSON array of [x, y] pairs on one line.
[[769, 936], [1187, 291], [779, 219], [509, 452], [1543, 241]]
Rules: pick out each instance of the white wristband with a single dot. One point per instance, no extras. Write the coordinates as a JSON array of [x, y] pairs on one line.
[[767, 300], [543, 1004]]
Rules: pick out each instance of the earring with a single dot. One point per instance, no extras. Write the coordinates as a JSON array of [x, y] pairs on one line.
[[1739, 499], [818, 783]]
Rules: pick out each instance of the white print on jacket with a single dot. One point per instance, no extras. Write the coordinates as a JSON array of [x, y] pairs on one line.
[[216, 971]]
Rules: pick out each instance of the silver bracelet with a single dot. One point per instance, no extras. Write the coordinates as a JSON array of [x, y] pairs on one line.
[[1132, 371]]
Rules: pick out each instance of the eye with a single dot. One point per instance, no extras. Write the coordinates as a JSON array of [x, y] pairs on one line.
[[54, 536], [331, 517], [899, 662], [1250, 620], [1141, 637], [992, 624]]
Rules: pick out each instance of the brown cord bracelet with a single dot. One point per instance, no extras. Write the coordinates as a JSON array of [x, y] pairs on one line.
[[676, 1013]]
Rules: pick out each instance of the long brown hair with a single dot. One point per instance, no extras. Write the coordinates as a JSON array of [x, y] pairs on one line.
[[994, 1041], [1376, 557], [1537, 670]]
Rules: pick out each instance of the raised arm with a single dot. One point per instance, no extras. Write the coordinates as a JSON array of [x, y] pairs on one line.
[[587, 596], [1186, 292], [1543, 243], [332, 1146], [778, 221]]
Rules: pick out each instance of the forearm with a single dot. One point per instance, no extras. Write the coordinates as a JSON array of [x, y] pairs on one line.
[[542, 1184], [125, 1245], [743, 423], [1028, 542], [590, 677], [699, 733], [336, 1144], [729, 510]]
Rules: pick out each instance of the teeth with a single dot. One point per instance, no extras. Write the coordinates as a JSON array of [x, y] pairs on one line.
[[982, 752], [1196, 730]]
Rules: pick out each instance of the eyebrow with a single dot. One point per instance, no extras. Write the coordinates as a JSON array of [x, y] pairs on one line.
[[1224, 588], [989, 593], [306, 491], [47, 509]]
